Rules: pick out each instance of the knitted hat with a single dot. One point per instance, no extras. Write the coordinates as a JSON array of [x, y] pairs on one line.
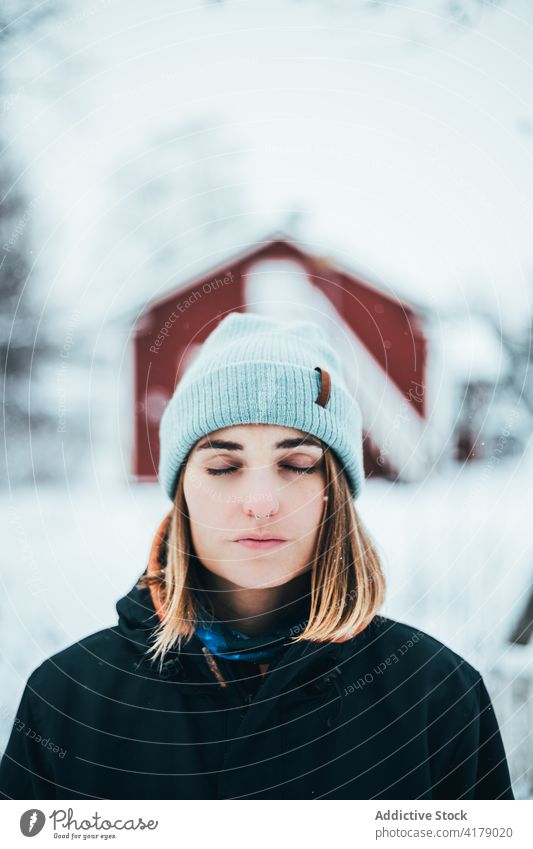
[[254, 369]]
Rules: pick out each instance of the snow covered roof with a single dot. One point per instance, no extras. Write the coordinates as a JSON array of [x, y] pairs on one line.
[[472, 349], [204, 264]]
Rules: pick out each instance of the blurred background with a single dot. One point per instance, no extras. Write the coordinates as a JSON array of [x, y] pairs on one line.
[[364, 164]]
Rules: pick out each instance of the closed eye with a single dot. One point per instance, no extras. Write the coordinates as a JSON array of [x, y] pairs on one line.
[[300, 470]]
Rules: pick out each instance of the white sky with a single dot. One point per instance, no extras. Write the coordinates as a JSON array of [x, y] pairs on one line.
[[408, 146]]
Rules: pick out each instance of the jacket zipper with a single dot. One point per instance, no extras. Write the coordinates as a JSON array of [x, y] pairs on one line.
[[246, 705], [246, 695], [223, 682]]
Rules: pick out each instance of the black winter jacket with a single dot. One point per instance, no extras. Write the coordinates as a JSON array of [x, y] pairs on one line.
[[390, 714]]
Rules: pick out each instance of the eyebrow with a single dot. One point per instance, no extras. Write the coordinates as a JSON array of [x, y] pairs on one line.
[[227, 445]]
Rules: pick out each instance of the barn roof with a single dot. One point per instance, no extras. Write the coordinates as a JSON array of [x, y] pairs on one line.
[[195, 271]]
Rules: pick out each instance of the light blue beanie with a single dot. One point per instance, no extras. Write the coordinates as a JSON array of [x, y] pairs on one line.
[[255, 369]]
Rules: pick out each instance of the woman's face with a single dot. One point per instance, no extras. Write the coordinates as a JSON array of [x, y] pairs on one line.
[[236, 473]]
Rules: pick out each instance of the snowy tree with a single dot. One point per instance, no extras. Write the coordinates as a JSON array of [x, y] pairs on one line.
[[433, 17], [22, 350], [177, 198]]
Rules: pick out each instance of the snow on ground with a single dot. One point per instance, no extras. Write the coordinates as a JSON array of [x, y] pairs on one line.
[[457, 552], [67, 558]]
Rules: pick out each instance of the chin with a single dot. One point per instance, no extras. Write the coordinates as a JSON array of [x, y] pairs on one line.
[[256, 577]]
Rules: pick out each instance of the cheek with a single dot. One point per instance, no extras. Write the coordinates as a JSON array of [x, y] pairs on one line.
[[208, 510], [308, 489], [200, 496], [306, 511]]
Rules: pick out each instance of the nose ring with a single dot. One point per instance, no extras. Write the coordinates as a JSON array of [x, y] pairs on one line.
[[267, 516]]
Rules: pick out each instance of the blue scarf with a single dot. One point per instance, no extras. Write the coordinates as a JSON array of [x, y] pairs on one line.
[[226, 642]]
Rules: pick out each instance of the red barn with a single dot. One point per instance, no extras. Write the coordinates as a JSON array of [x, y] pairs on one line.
[[379, 338]]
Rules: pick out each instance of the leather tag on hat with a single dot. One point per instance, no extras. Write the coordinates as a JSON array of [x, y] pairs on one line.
[[325, 387]]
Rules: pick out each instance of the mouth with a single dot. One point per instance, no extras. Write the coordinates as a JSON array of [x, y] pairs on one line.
[[260, 544]]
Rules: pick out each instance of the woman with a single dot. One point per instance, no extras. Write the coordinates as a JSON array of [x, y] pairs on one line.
[[250, 660]]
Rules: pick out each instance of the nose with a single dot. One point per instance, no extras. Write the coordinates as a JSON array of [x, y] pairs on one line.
[[261, 506]]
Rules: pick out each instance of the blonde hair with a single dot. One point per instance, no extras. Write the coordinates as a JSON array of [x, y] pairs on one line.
[[347, 581]]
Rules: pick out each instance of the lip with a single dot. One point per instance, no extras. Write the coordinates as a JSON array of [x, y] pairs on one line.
[[260, 544]]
